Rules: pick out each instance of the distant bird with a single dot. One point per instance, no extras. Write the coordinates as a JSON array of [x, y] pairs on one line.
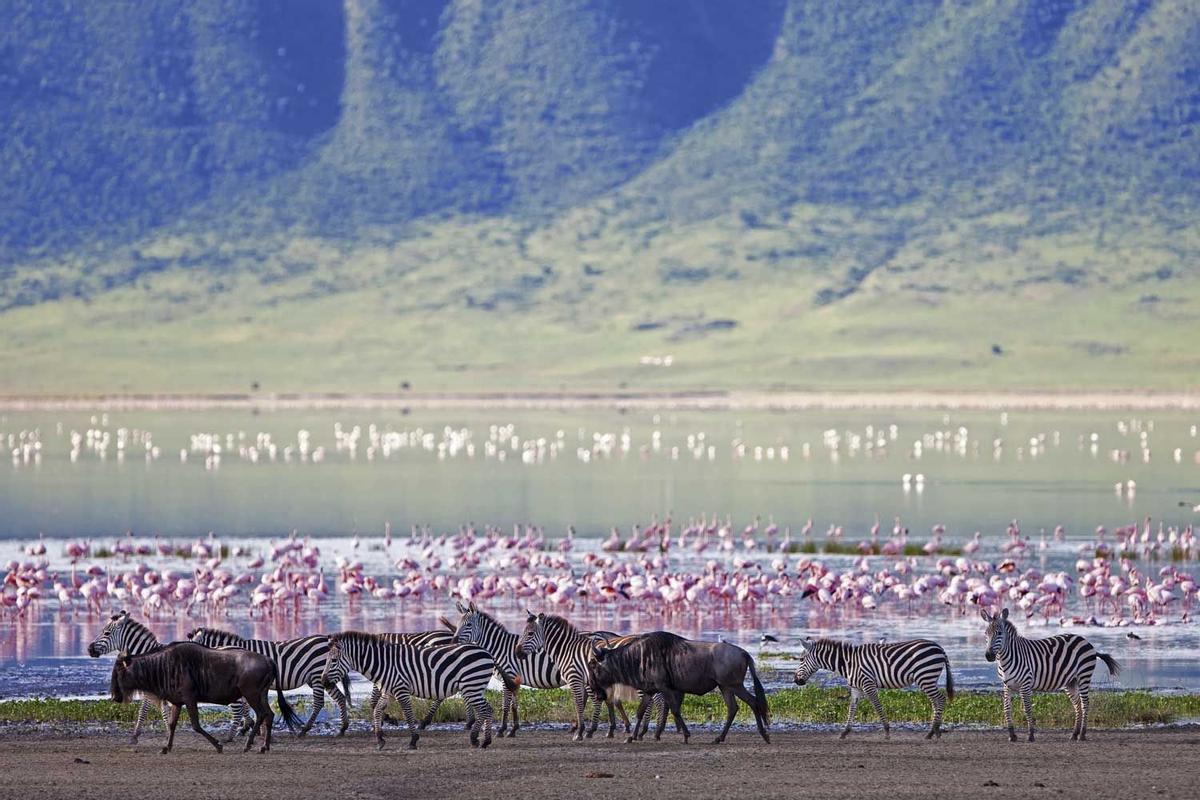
[[997, 350], [1132, 635], [766, 637]]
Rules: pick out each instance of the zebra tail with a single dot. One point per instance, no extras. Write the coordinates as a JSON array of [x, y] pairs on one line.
[[285, 708], [949, 683], [346, 687], [760, 694], [511, 682], [1114, 667]]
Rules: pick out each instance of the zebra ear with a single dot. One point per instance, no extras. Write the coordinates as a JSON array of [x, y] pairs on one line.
[[983, 613], [471, 606], [458, 604], [532, 616], [1004, 614]]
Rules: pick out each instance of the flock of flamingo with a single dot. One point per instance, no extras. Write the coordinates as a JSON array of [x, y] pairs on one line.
[[1134, 575]]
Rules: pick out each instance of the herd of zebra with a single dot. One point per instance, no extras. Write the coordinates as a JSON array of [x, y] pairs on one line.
[[656, 669]]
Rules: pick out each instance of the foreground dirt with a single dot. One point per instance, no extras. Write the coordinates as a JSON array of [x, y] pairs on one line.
[[546, 764]]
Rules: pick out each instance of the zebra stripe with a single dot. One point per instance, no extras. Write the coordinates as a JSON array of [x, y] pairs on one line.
[[871, 667], [434, 638], [300, 662], [403, 670], [1057, 663], [125, 634]]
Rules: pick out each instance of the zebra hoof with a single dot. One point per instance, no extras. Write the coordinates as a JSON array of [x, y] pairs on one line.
[[303, 732], [510, 735], [1031, 737], [1012, 737], [590, 734], [487, 740], [629, 740], [718, 740], [164, 751], [133, 740], [263, 749]]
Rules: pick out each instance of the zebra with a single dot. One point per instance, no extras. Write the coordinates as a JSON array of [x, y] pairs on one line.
[[569, 648], [301, 662], [403, 670], [1026, 666], [124, 633], [871, 667], [434, 638]]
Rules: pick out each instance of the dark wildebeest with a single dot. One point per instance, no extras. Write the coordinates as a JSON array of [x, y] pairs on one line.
[[666, 663], [185, 674]]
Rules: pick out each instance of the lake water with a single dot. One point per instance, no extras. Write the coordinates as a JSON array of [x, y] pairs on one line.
[[250, 479]]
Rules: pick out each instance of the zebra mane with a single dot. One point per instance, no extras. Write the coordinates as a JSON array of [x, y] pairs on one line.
[[489, 621], [355, 637], [555, 622], [823, 649], [222, 633]]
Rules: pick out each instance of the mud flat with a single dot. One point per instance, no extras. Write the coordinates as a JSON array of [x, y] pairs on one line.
[[62, 762]]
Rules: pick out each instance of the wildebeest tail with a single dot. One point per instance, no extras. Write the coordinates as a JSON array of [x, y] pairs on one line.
[[1114, 666], [949, 682], [760, 694], [285, 708]]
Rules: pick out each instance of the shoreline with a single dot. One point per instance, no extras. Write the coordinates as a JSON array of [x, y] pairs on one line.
[[1116, 400]]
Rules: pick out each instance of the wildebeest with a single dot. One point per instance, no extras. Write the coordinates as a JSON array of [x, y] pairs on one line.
[[663, 662], [185, 674]]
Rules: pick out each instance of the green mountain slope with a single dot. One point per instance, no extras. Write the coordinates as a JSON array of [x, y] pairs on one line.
[[198, 197]]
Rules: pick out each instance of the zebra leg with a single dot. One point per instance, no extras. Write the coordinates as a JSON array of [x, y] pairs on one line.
[[238, 721], [855, 694], [427, 720], [171, 723], [579, 695], [730, 713], [141, 717], [612, 717], [516, 719], [377, 705], [483, 718], [1027, 704], [506, 701], [406, 704], [873, 696], [938, 700], [343, 708], [318, 704], [1083, 712], [1073, 694], [1008, 715], [660, 710], [376, 697]]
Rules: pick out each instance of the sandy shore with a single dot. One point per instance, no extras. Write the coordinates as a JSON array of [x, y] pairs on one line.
[[545, 764], [649, 400]]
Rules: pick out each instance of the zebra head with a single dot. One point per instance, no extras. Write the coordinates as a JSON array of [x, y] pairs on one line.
[[533, 637], [469, 629], [808, 664], [334, 659], [112, 637], [998, 631]]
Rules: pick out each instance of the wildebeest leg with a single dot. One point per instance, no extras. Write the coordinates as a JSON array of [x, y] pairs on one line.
[[265, 716], [730, 713], [194, 715], [759, 720], [638, 730], [675, 702], [624, 719], [171, 723], [318, 703]]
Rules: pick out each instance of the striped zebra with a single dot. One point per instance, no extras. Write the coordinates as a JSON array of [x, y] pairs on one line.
[[403, 670], [125, 634], [434, 638], [871, 667], [569, 648], [301, 662], [1026, 666]]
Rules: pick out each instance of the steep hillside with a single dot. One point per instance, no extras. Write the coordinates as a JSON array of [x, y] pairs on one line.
[[310, 194]]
